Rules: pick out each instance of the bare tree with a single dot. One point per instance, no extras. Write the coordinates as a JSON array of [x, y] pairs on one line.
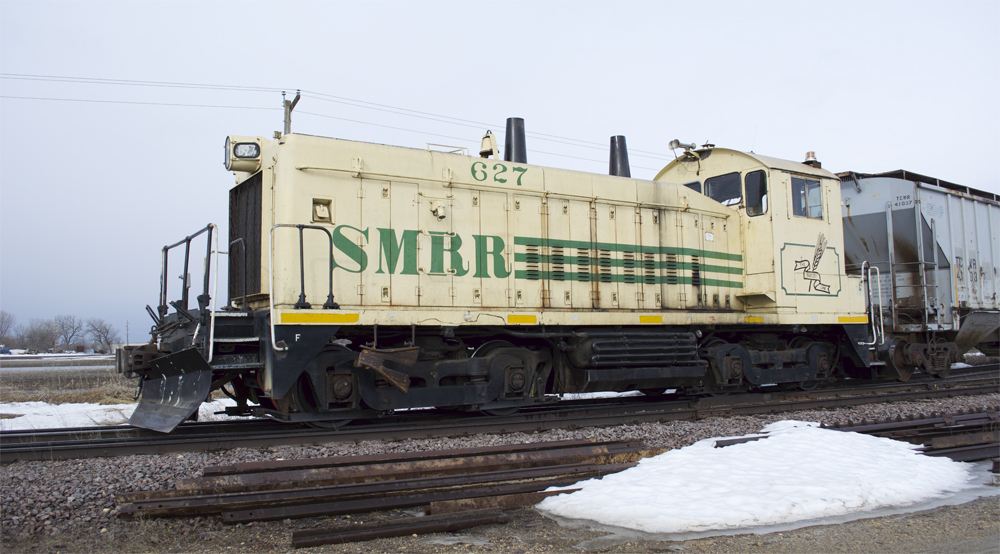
[[38, 335], [7, 321], [102, 332], [69, 328]]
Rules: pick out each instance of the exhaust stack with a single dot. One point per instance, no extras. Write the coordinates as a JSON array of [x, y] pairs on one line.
[[514, 149], [619, 158]]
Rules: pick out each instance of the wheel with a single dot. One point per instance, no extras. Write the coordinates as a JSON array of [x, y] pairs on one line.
[[484, 350], [489, 346], [334, 424], [989, 349]]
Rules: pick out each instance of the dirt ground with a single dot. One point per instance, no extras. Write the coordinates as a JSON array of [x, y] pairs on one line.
[[972, 528]]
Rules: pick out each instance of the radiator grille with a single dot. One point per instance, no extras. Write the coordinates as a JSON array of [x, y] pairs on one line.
[[244, 223]]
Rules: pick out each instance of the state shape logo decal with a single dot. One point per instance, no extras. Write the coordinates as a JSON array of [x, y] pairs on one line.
[[810, 270]]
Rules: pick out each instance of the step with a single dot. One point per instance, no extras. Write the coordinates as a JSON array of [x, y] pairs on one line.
[[224, 367]]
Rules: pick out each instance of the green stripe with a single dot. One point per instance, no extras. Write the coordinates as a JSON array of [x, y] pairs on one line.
[[615, 247], [572, 276], [616, 262]]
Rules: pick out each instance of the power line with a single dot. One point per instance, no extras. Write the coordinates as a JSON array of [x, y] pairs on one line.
[[163, 84], [462, 139], [138, 103], [176, 105], [329, 98], [464, 122]]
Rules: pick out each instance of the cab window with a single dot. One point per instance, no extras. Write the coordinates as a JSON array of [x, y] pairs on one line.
[[724, 189], [756, 190], [807, 198], [694, 185]]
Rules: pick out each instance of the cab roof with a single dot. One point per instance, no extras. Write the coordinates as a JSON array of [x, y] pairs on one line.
[[767, 161]]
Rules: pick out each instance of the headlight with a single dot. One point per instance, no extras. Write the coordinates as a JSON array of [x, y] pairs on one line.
[[242, 154]]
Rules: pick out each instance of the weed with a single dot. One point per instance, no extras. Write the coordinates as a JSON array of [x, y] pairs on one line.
[[59, 386]]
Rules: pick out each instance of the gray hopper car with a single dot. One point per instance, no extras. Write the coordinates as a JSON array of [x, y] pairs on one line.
[[933, 248]]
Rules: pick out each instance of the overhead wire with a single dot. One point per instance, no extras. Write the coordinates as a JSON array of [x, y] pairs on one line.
[[465, 122], [172, 104], [463, 139], [315, 95], [164, 84]]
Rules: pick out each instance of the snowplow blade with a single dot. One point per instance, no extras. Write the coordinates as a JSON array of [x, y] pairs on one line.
[[184, 382]]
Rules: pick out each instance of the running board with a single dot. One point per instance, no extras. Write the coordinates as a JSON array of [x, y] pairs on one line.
[[184, 382]]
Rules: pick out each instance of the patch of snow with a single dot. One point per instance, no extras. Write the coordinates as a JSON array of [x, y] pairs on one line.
[[586, 395], [42, 415], [800, 472]]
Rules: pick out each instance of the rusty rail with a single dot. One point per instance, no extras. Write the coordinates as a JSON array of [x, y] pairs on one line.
[[964, 436], [504, 502], [398, 527], [311, 463], [458, 464], [300, 488], [378, 502]]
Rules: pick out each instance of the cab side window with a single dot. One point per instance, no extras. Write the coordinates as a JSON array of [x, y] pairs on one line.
[[807, 198], [724, 189], [756, 189], [694, 185]]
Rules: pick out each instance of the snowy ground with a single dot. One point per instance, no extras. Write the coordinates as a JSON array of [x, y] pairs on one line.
[[799, 475], [41, 415]]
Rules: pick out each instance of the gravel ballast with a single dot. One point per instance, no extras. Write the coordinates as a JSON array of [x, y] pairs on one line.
[[69, 505]]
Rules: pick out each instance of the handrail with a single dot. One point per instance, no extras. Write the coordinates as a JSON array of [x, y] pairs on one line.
[[301, 304], [163, 308], [878, 331], [206, 302], [215, 294], [243, 306]]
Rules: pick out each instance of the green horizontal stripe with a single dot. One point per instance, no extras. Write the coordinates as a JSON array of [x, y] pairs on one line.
[[572, 276], [615, 247], [617, 262]]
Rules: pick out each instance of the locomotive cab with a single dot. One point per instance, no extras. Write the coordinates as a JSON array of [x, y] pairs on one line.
[[790, 229]]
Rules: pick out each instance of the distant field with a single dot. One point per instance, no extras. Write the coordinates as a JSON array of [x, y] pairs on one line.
[[67, 360], [62, 379]]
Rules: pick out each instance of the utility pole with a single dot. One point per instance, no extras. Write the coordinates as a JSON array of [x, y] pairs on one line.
[[289, 106]]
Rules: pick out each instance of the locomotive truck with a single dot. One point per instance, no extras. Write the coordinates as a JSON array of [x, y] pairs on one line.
[[365, 278]]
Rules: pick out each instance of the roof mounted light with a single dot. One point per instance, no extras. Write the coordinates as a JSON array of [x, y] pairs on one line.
[[242, 154]]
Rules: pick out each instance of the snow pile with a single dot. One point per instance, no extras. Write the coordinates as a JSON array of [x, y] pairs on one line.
[[800, 472], [42, 415]]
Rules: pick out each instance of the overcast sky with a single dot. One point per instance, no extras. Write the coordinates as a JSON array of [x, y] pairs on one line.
[[113, 114]]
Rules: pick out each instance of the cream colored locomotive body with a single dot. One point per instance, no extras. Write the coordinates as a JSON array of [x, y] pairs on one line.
[[421, 237], [366, 278]]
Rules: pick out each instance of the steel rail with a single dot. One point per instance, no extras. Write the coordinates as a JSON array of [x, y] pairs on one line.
[[962, 436], [16, 446], [264, 490]]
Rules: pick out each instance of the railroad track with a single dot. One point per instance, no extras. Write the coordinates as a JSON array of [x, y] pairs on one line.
[[88, 442], [963, 436], [458, 488]]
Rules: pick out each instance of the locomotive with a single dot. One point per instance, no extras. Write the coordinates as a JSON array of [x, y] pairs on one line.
[[365, 278]]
